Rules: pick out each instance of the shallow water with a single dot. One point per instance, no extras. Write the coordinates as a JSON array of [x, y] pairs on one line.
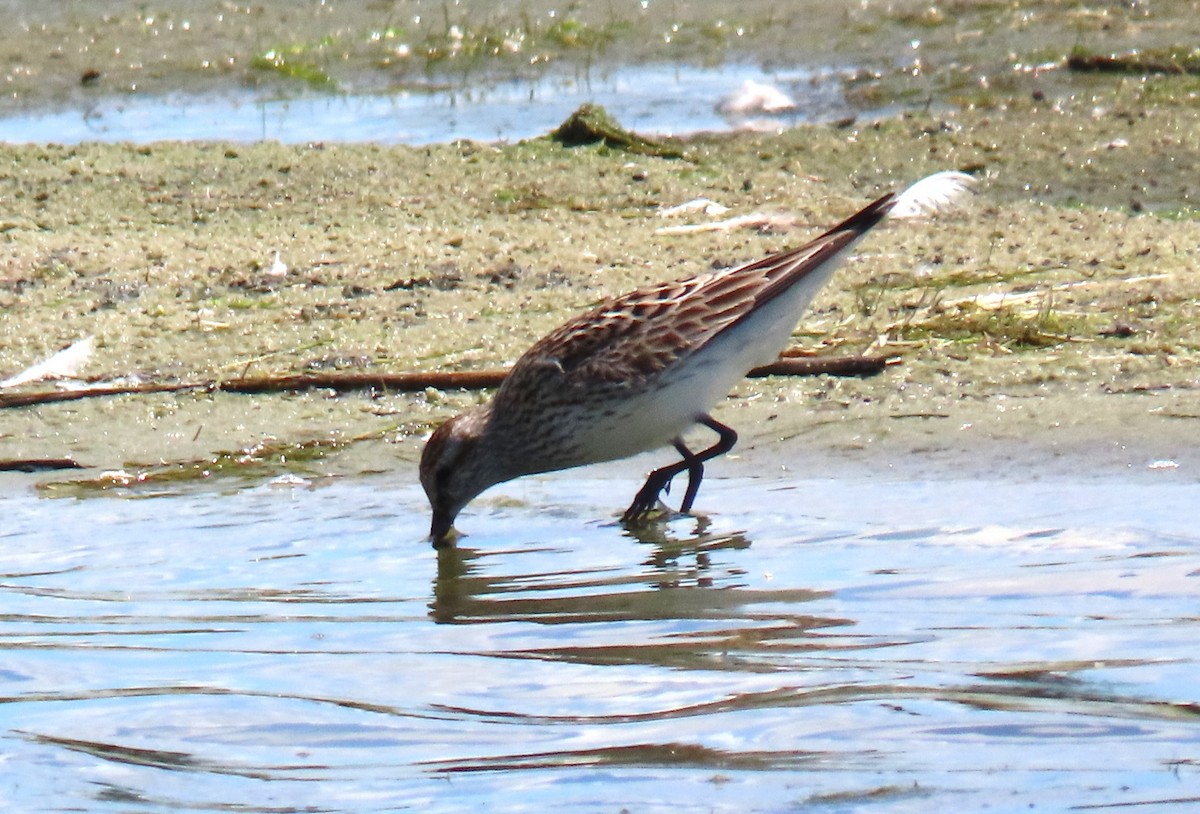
[[834, 645], [661, 99]]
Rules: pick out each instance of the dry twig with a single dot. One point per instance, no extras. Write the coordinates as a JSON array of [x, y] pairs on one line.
[[408, 382]]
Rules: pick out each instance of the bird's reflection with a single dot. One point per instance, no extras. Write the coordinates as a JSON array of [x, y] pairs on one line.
[[682, 576], [683, 559]]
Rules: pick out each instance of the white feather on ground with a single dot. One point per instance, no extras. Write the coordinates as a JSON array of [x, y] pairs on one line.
[[755, 97], [63, 365], [278, 268]]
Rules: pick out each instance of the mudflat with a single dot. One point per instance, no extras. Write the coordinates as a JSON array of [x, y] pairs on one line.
[[1050, 323]]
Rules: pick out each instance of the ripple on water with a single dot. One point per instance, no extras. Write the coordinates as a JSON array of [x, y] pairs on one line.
[[955, 644]]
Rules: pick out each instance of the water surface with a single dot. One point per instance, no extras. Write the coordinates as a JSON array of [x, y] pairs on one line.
[[826, 645], [661, 99]]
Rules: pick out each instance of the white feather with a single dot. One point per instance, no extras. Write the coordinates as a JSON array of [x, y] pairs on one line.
[[930, 194], [755, 97], [63, 365], [278, 268]]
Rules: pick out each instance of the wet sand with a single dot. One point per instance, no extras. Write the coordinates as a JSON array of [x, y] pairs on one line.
[[1050, 324]]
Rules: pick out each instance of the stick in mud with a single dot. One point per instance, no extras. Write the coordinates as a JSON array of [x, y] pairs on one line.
[[412, 381]]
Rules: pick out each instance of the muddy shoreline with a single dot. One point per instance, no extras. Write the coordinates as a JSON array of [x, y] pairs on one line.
[[1076, 333], [1051, 325]]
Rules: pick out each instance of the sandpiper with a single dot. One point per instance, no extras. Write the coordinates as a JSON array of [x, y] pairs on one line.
[[635, 372]]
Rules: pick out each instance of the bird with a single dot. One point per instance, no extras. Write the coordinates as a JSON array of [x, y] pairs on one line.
[[633, 373]]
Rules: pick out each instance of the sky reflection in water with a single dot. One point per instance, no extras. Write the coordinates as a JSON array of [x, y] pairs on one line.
[[908, 646], [653, 99]]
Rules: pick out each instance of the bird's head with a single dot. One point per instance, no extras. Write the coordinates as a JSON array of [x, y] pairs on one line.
[[453, 472]]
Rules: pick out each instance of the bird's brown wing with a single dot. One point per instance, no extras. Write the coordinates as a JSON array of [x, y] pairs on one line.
[[637, 335]]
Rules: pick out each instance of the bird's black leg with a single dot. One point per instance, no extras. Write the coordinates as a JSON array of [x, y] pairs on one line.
[[727, 438], [647, 497], [691, 462]]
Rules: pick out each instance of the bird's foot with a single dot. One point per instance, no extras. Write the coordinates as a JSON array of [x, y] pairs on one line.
[[653, 515], [646, 506]]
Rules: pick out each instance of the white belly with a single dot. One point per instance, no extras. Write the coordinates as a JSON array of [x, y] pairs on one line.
[[694, 385]]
